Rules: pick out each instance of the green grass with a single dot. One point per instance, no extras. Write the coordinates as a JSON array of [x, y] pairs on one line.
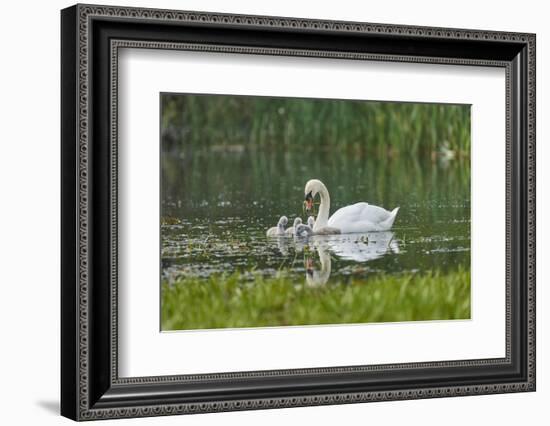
[[226, 302]]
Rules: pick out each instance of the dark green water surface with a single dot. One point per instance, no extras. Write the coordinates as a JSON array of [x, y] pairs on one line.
[[216, 205]]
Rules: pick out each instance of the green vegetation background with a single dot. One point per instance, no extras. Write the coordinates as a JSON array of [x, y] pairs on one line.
[[203, 121]]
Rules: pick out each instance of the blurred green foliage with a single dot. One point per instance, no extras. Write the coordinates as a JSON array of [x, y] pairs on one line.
[[205, 121]]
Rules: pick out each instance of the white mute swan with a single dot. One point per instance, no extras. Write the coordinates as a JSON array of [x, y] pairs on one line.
[[311, 221], [359, 217], [278, 230], [292, 229]]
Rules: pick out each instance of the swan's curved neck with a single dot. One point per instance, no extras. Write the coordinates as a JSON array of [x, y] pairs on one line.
[[321, 220]]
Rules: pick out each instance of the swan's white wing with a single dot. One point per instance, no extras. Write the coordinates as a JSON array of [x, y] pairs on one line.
[[362, 217], [346, 214], [359, 212]]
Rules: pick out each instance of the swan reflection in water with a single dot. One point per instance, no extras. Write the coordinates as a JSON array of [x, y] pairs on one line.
[[355, 247], [318, 277]]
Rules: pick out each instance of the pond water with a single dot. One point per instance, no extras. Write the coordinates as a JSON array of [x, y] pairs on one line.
[[216, 206]]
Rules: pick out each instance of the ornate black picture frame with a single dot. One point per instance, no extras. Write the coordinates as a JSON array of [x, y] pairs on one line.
[[91, 36]]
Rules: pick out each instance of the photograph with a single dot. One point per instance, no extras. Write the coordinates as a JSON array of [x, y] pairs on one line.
[[279, 211]]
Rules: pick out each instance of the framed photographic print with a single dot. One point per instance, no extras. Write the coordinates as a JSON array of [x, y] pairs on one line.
[[263, 212]]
